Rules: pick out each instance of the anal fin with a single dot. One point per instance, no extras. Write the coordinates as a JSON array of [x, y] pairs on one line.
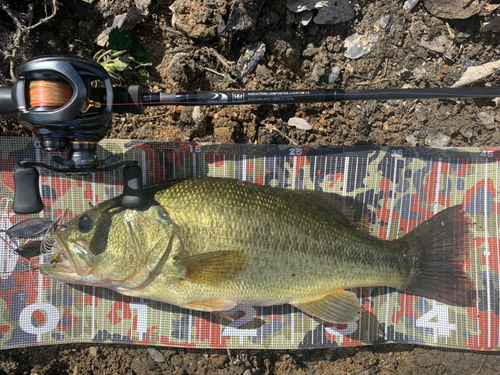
[[339, 307]]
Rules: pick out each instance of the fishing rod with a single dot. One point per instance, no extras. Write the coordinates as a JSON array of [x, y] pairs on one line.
[[68, 103]]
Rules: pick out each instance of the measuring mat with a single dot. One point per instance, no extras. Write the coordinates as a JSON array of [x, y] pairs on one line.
[[401, 187]]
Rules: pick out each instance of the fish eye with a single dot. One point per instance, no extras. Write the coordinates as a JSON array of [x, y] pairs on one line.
[[84, 223]]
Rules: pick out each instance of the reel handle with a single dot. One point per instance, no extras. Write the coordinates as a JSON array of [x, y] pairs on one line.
[[133, 194], [27, 199], [8, 110]]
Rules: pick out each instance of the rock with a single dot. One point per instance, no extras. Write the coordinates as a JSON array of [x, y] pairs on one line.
[[487, 119], [495, 138], [421, 112], [156, 355], [437, 140], [369, 107], [196, 113], [193, 18], [356, 46], [367, 371], [306, 17], [299, 124], [385, 21], [410, 4], [310, 50], [458, 9], [249, 59], [93, 351], [493, 25], [412, 141], [419, 72], [243, 16], [467, 63], [477, 73], [333, 75], [329, 11], [439, 43], [143, 6], [317, 73], [125, 21]]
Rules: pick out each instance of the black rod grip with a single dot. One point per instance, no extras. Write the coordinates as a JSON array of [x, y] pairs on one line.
[[27, 199], [133, 194]]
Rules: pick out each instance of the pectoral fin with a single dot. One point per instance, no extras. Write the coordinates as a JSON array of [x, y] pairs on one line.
[[339, 307], [213, 268]]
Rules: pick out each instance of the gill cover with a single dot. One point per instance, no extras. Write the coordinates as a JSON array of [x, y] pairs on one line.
[[111, 245]]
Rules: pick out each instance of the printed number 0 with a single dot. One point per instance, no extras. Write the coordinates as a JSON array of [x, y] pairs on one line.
[[51, 315], [234, 329]]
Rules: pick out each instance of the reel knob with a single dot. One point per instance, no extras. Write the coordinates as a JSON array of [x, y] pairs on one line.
[[133, 194], [27, 199]]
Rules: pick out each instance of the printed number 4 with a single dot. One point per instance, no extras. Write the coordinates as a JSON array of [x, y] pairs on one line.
[[441, 324], [487, 154]]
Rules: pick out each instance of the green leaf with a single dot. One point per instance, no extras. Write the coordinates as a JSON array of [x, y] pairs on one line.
[[118, 41], [143, 76], [136, 49]]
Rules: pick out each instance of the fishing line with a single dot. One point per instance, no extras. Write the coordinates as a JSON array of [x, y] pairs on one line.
[[49, 94], [55, 94]]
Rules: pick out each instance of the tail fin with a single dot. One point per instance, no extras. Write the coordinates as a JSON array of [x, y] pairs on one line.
[[439, 247]]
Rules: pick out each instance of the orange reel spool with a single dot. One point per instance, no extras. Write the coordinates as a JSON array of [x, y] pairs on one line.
[[49, 94]]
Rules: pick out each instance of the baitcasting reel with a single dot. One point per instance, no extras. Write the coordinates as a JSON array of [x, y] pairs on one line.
[[68, 103]]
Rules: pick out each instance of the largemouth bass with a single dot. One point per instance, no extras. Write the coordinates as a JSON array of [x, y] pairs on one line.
[[209, 244]]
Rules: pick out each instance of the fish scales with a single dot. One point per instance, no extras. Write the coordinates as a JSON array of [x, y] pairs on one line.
[[291, 250], [211, 243]]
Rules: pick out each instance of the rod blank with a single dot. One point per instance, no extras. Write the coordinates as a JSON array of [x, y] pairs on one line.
[[312, 96]]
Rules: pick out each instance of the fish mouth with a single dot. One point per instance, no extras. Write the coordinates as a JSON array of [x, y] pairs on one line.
[[63, 259]]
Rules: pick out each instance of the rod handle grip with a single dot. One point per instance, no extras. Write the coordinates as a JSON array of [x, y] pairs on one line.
[[27, 199]]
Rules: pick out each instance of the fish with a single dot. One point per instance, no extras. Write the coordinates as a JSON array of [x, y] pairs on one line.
[[208, 244]]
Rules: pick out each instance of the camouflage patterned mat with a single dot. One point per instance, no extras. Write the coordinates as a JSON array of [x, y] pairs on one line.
[[402, 187]]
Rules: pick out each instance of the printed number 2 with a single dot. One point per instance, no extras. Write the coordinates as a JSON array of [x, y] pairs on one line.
[[440, 327], [234, 329]]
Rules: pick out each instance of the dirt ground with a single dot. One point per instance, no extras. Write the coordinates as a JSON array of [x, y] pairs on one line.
[[195, 46]]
